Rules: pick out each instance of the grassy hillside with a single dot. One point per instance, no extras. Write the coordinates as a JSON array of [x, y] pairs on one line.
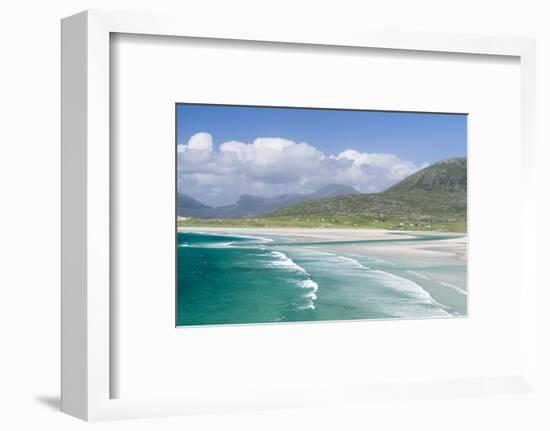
[[449, 175], [413, 209], [433, 198]]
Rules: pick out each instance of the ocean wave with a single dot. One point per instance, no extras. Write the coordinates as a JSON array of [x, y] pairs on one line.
[[335, 259], [217, 245], [317, 252], [283, 261], [416, 297], [352, 262], [230, 235], [408, 288], [418, 274], [452, 286], [443, 283], [377, 260], [415, 301], [258, 238], [309, 284]]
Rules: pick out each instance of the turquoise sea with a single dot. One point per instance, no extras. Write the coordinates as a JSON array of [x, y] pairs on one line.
[[231, 279]]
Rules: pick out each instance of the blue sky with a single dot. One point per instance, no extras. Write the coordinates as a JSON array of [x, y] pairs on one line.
[[417, 137], [227, 151]]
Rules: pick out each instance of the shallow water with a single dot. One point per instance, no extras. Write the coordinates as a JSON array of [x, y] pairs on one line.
[[227, 279]]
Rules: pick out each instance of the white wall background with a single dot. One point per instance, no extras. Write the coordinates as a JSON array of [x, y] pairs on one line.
[[29, 217]]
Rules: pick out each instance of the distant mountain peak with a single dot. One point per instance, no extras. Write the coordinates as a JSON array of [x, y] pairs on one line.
[[186, 201], [333, 190], [247, 205]]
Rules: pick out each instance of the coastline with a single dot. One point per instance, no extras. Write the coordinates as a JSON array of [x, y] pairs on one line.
[[437, 262], [455, 247], [431, 262]]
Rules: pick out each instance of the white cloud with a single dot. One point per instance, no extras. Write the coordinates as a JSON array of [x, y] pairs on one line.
[[270, 166], [396, 168], [200, 141]]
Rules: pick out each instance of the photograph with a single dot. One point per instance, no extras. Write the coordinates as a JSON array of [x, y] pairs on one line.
[[299, 214], [275, 216]]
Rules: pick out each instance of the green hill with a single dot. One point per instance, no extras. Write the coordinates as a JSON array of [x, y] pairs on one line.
[[432, 198], [449, 175]]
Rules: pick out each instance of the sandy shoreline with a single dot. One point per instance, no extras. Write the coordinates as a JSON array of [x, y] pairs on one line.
[[318, 233], [442, 248], [311, 233]]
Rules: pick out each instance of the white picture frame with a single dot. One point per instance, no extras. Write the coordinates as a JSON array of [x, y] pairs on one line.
[[86, 300]]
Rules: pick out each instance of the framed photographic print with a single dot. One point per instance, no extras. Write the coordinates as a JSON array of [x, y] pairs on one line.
[[327, 212], [304, 214]]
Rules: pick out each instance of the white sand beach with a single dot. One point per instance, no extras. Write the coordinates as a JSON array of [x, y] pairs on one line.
[[444, 248]]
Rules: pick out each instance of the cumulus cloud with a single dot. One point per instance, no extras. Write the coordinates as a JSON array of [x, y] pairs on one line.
[[200, 141], [271, 166], [396, 168]]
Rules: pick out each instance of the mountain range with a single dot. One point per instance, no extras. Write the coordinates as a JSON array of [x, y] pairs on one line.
[[248, 205], [433, 198]]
